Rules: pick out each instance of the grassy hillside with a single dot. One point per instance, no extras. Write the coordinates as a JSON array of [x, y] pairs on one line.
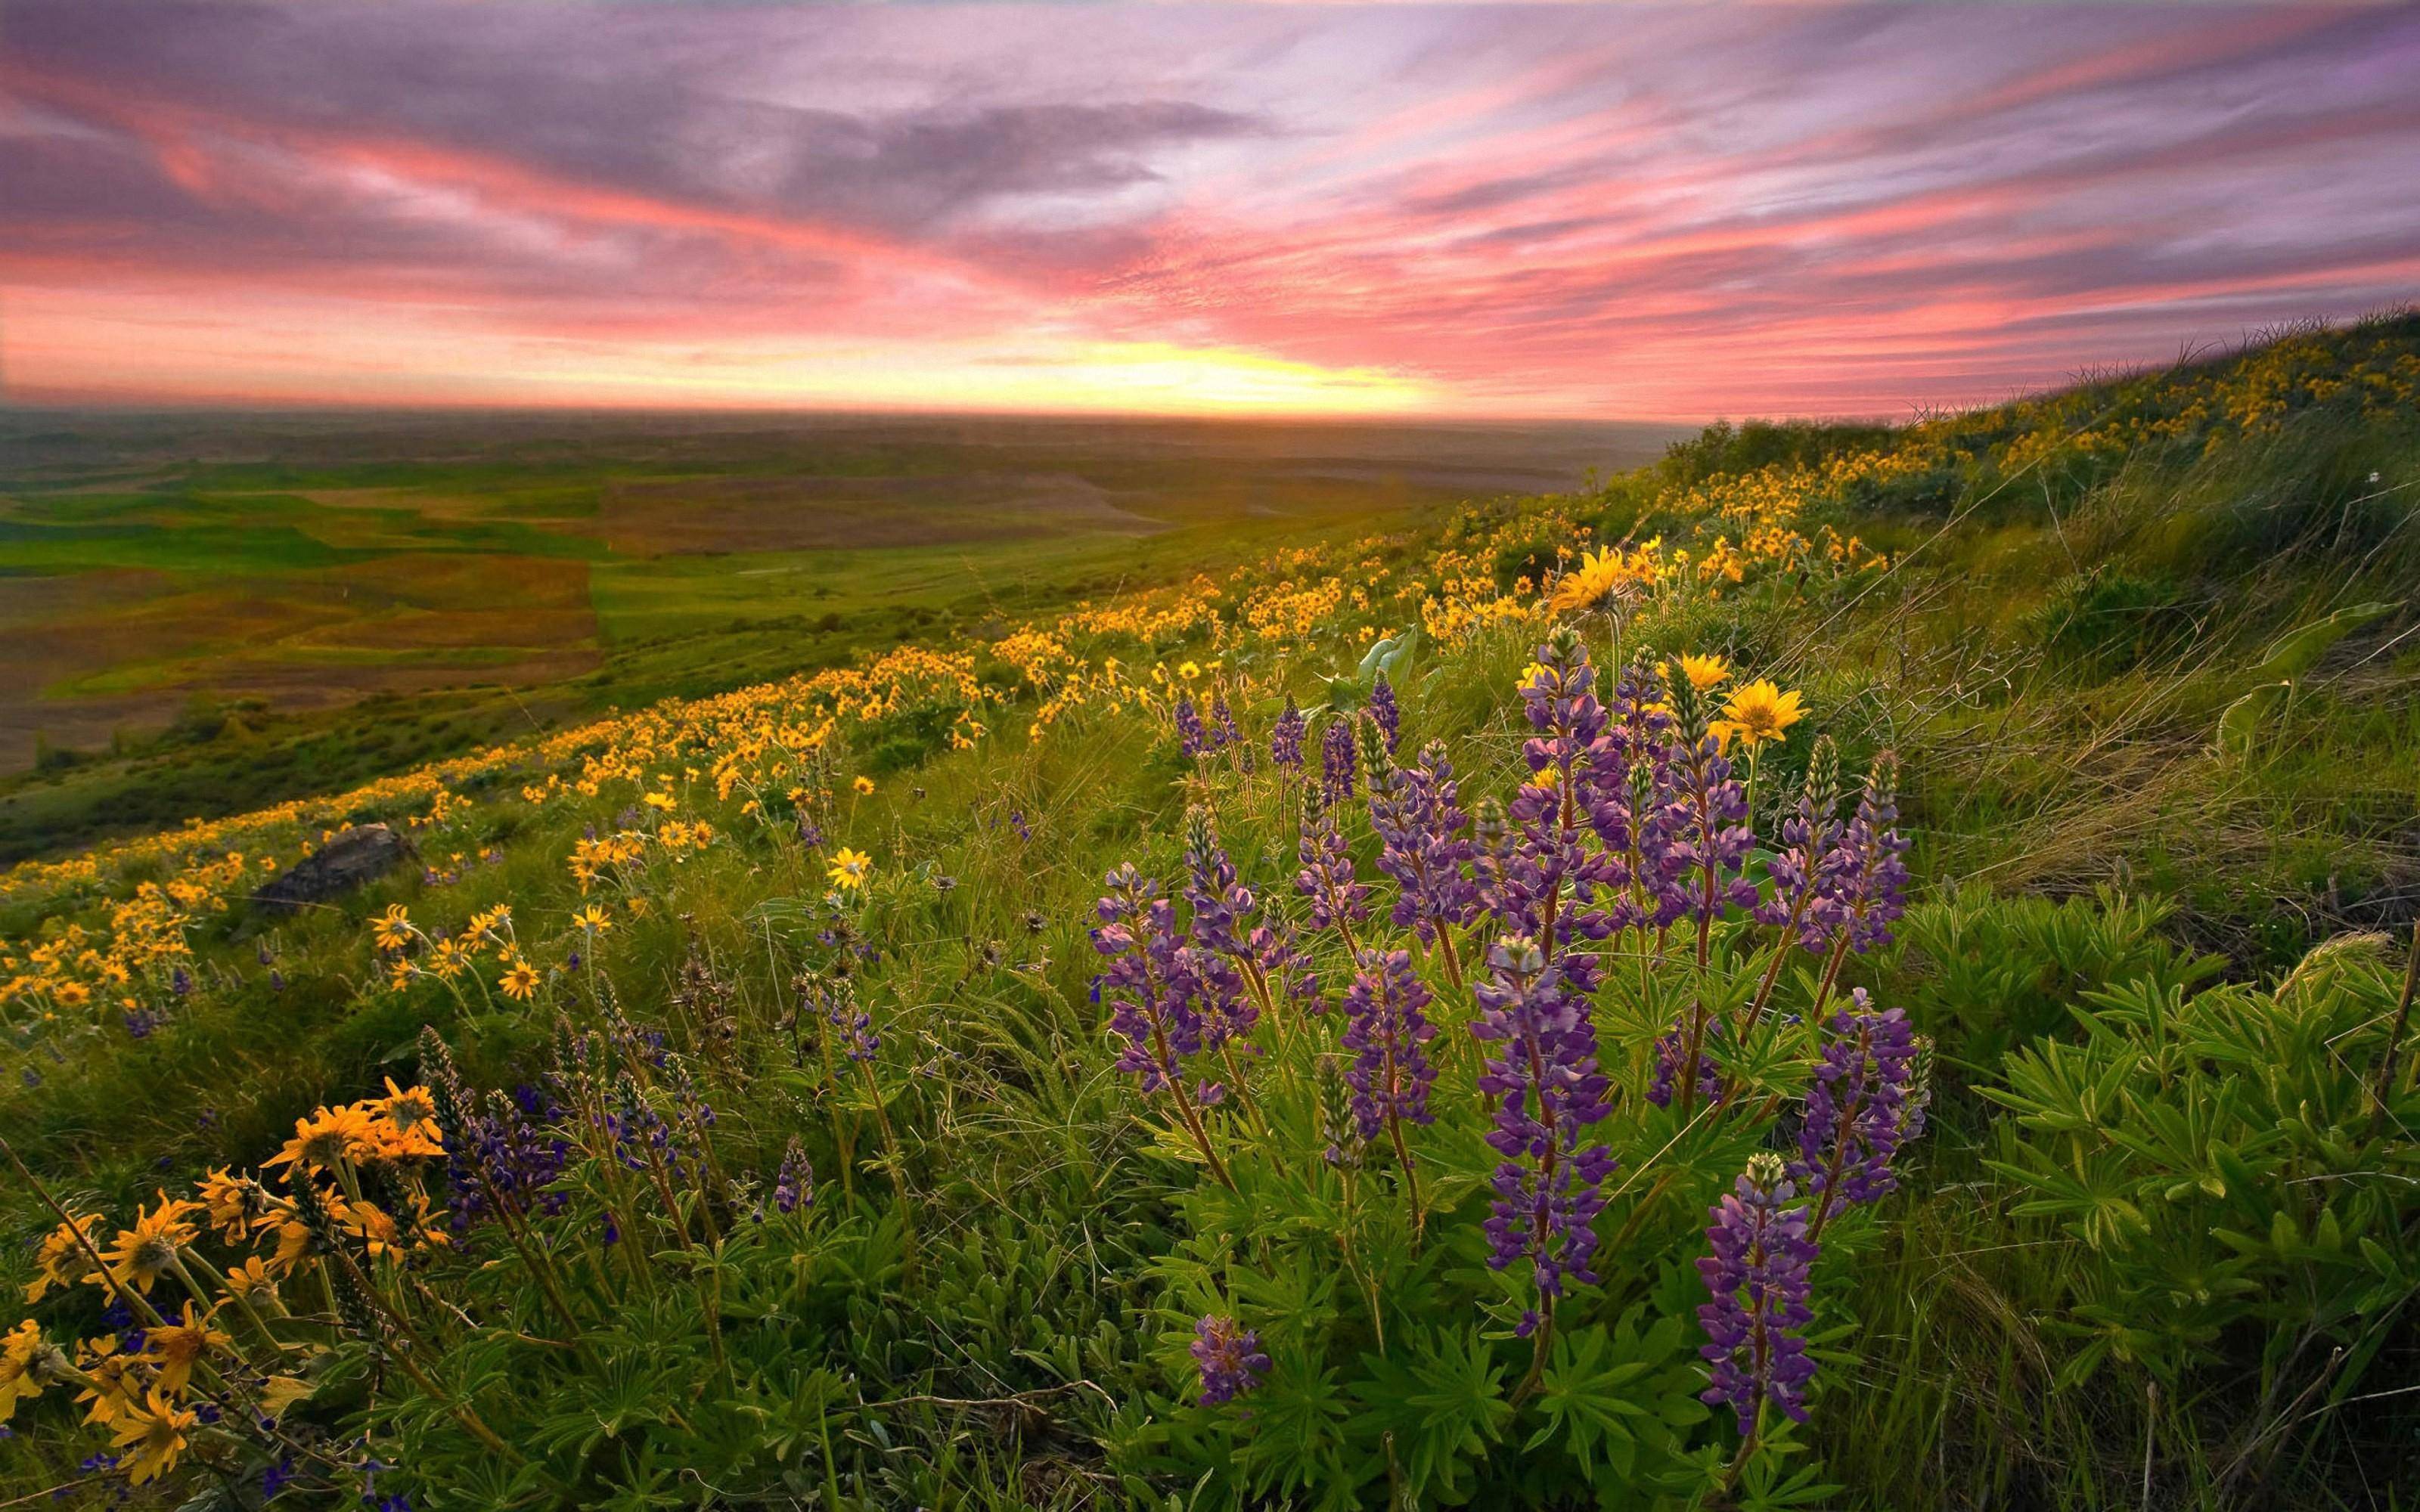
[[1850, 967], [205, 614]]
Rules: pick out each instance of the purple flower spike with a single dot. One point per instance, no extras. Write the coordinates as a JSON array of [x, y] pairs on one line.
[[1387, 1032], [795, 1187], [1338, 900], [1223, 733], [1862, 887], [1757, 1274], [1147, 979], [1428, 848], [1337, 757], [1190, 738], [1285, 741], [1230, 1357], [1389, 713], [1859, 1109], [1543, 1076], [1670, 1046]]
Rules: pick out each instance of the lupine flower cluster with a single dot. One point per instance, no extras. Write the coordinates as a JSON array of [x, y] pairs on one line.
[[1339, 900], [1337, 757], [1757, 1274], [1388, 711], [1632, 818], [1859, 1108], [1230, 1357], [1145, 979], [1285, 741], [1191, 740], [1547, 1090], [1388, 1032], [1427, 847]]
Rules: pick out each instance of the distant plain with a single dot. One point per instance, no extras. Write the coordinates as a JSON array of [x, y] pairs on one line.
[[324, 595]]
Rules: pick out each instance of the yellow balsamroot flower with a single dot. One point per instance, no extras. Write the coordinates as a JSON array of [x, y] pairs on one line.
[[1705, 673], [178, 1345], [405, 1122], [1189, 670], [849, 868], [17, 1382], [863, 785], [593, 919], [152, 1437], [141, 1255], [327, 1139], [62, 1258], [520, 981], [1759, 711], [393, 928]]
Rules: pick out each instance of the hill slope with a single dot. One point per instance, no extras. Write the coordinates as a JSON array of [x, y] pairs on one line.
[[785, 1108]]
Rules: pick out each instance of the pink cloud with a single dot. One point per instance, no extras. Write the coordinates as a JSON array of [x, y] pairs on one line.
[[1626, 211]]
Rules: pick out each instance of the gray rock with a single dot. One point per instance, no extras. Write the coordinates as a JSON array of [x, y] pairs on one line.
[[352, 859]]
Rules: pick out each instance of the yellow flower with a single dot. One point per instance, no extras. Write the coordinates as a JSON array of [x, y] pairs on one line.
[[1189, 670], [326, 1140], [152, 1437], [145, 1253], [17, 1382], [593, 919], [520, 981], [1759, 711], [863, 785], [61, 1258], [849, 868], [393, 928], [178, 1345], [1705, 673]]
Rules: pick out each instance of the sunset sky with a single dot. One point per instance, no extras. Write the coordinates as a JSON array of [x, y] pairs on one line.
[[1612, 212]]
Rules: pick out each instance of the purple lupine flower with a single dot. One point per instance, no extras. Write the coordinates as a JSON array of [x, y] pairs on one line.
[[1389, 713], [1625, 783], [1336, 758], [1338, 899], [1705, 814], [1223, 733], [1864, 883], [1231, 956], [140, 1021], [1543, 1076], [1230, 1358], [1017, 822], [1388, 1032], [181, 981], [1758, 1276], [794, 1186], [1422, 827], [1145, 979], [852, 1026], [1190, 738], [1859, 1110], [1285, 741], [1556, 888], [1670, 1047], [1808, 837]]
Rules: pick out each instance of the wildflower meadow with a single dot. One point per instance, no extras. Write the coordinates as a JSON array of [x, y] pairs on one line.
[[1856, 966]]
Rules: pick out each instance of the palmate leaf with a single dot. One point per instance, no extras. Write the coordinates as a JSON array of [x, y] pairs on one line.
[[1438, 1414], [1607, 1388]]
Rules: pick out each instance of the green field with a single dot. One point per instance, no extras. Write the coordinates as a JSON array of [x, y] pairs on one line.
[[193, 608]]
